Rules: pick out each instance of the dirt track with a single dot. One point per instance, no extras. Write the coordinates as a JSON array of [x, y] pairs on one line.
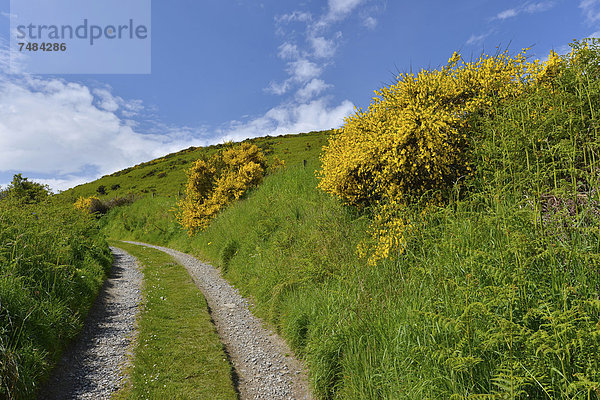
[[265, 366]]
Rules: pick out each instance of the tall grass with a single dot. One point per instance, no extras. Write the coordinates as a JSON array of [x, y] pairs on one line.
[[53, 261]]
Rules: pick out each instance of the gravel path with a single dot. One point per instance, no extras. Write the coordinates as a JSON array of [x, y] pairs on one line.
[[264, 364], [93, 367]]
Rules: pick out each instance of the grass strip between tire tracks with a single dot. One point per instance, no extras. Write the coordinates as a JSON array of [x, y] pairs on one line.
[[178, 354]]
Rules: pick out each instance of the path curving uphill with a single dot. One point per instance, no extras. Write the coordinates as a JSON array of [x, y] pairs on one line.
[[264, 364], [93, 367]]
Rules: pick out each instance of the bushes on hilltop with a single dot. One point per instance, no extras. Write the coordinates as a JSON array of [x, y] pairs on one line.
[[24, 191]]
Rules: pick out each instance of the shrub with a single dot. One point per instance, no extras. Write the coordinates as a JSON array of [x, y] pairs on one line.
[[151, 172], [90, 205], [23, 191], [118, 202], [443, 131], [93, 205], [411, 141], [216, 182]]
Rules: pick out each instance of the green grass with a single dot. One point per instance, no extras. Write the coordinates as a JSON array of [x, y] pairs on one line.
[[53, 261], [166, 176], [178, 353]]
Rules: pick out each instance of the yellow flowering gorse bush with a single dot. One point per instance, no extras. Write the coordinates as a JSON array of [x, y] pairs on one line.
[[89, 205], [215, 183], [411, 144]]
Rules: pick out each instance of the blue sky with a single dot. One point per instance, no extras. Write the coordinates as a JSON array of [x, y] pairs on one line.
[[232, 69]]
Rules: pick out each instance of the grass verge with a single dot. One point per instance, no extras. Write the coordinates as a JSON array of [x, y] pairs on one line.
[[53, 261], [178, 354]]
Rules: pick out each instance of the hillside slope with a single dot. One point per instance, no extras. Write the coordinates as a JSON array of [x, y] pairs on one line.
[[476, 290], [165, 176]]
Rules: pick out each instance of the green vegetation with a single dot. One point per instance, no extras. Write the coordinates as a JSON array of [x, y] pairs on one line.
[[166, 176], [492, 293], [23, 191], [178, 353], [53, 261], [476, 282]]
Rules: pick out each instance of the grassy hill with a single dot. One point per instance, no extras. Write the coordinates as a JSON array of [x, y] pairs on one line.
[[165, 176], [54, 259]]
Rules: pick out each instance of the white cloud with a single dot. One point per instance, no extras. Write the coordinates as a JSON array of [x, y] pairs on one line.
[[542, 6], [323, 48], [50, 127], [11, 60], [591, 10], [279, 88], [59, 185], [477, 39], [298, 16], [307, 61], [303, 70], [370, 23], [339, 9], [291, 118], [527, 8], [312, 89], [512, 12], [288, 51], [107, 101]]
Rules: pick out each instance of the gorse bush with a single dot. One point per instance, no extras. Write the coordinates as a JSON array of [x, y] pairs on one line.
[[90, 205], [93, 205], [216, 182], [53, 261], [412, 139], [437, 133]]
